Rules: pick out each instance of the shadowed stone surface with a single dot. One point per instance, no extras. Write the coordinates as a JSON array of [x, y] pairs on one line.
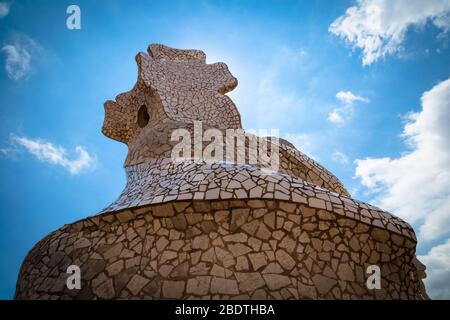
[[220, 230]]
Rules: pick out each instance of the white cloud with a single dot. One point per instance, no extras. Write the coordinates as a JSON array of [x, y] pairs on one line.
[[4, 9], [437, 262], [339, 116], [18, 57], [416, 186], [378, 27], [55, 155], [17, 61], [348, 97], [340, 157], [336, 117]]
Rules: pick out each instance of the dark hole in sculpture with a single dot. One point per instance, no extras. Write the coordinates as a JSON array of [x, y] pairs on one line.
[[143, 116]]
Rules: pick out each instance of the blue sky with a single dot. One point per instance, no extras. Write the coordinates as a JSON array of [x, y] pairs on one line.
[[363, 91]]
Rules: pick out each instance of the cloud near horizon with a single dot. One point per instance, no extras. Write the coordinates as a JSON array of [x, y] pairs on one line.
[[55, 155], [379, 27], [437, 261], [416, 185]]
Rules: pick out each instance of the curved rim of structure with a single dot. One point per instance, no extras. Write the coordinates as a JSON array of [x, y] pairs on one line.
[[162, 181]]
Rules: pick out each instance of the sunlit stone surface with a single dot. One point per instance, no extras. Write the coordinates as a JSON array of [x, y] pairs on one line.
[[220, 230]]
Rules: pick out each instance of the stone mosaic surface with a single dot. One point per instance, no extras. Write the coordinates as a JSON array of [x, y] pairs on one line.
[[227, 249], [176, 88], [162, 181], [197, 230]]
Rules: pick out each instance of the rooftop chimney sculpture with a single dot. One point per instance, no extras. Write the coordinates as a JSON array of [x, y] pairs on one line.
[[221, 229]]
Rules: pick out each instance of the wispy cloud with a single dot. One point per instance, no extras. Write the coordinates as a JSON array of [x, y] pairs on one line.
[[262, 86], [4, 8], [302, 141], [339, 116], [348, 97], [8, 152], [271, 98], [340, 157], [378, 27], [56, 155], [19, 54]]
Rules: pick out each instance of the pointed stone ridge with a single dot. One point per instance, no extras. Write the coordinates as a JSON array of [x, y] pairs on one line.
[[174, 89], [220, 229]]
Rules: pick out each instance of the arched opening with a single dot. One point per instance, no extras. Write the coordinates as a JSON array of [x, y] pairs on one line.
[[143, 116]]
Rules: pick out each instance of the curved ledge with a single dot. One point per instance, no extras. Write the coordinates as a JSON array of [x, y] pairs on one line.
[[161, 181]]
